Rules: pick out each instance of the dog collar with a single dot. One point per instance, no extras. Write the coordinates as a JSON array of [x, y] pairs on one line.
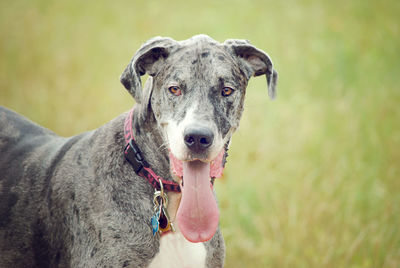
[[141, 167]]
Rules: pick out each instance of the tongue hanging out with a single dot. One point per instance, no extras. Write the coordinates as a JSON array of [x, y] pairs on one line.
[[198, 214]]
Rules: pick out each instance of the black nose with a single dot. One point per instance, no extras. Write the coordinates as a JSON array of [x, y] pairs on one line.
[[197, 139]]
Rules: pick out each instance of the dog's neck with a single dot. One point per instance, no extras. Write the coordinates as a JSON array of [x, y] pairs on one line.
[[149, 139]]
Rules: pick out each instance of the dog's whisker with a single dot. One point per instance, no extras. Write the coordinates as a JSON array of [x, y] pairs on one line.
[[164, 146]]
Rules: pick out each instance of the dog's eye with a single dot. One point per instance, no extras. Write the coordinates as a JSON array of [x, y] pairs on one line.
[[226, 91], [175, 90]]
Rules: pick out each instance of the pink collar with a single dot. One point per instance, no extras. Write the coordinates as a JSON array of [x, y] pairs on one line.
[[134, 156]]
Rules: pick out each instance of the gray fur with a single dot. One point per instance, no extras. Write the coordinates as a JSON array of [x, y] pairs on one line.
[[76, 202]]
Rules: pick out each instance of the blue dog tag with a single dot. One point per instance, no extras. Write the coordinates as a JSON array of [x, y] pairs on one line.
[[155, 223]]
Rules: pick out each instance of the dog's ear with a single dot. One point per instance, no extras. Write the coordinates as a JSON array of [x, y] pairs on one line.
[[254, 61], [146, 60]]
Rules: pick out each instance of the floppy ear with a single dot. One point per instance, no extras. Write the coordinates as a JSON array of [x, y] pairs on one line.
[[146, 60], [254, 61]]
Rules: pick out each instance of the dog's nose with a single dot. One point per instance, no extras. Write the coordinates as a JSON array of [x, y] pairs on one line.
[[198, 138]]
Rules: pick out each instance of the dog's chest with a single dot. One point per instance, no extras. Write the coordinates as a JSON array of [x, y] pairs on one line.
[[176, 251]]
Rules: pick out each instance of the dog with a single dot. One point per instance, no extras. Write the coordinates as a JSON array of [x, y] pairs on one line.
[[138, 191]]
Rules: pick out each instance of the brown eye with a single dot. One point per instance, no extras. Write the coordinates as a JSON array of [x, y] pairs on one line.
[[226, 91], [175, 90]]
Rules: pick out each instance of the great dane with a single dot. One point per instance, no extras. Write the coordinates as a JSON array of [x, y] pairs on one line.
[[138, 191]]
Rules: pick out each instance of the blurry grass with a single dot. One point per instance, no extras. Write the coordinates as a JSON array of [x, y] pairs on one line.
[[312, 178]]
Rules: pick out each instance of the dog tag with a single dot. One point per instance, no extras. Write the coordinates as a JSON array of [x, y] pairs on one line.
[[165, 224], [155, 225], [160, 221], [158, 201]]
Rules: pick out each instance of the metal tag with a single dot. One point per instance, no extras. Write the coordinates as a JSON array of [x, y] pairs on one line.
[[160, 221]]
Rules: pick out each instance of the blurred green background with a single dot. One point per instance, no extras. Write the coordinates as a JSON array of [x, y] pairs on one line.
[[313, 177]]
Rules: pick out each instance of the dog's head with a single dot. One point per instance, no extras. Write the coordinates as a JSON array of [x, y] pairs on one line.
[[195, 91]]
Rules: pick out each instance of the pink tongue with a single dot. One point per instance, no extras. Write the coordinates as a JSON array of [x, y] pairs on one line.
[[198, 213]]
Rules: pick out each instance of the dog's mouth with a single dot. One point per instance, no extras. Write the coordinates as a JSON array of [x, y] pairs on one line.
[[198, 214]]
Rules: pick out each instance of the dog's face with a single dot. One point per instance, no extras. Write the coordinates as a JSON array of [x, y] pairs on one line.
[[195, 92], [197, 99]]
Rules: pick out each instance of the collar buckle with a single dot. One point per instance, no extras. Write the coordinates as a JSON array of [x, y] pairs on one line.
[[135, 157]]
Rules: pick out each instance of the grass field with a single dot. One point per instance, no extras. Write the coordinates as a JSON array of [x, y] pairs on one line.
[[313, 178]]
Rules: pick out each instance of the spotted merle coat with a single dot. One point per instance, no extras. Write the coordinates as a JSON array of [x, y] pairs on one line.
[[75, 202]]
